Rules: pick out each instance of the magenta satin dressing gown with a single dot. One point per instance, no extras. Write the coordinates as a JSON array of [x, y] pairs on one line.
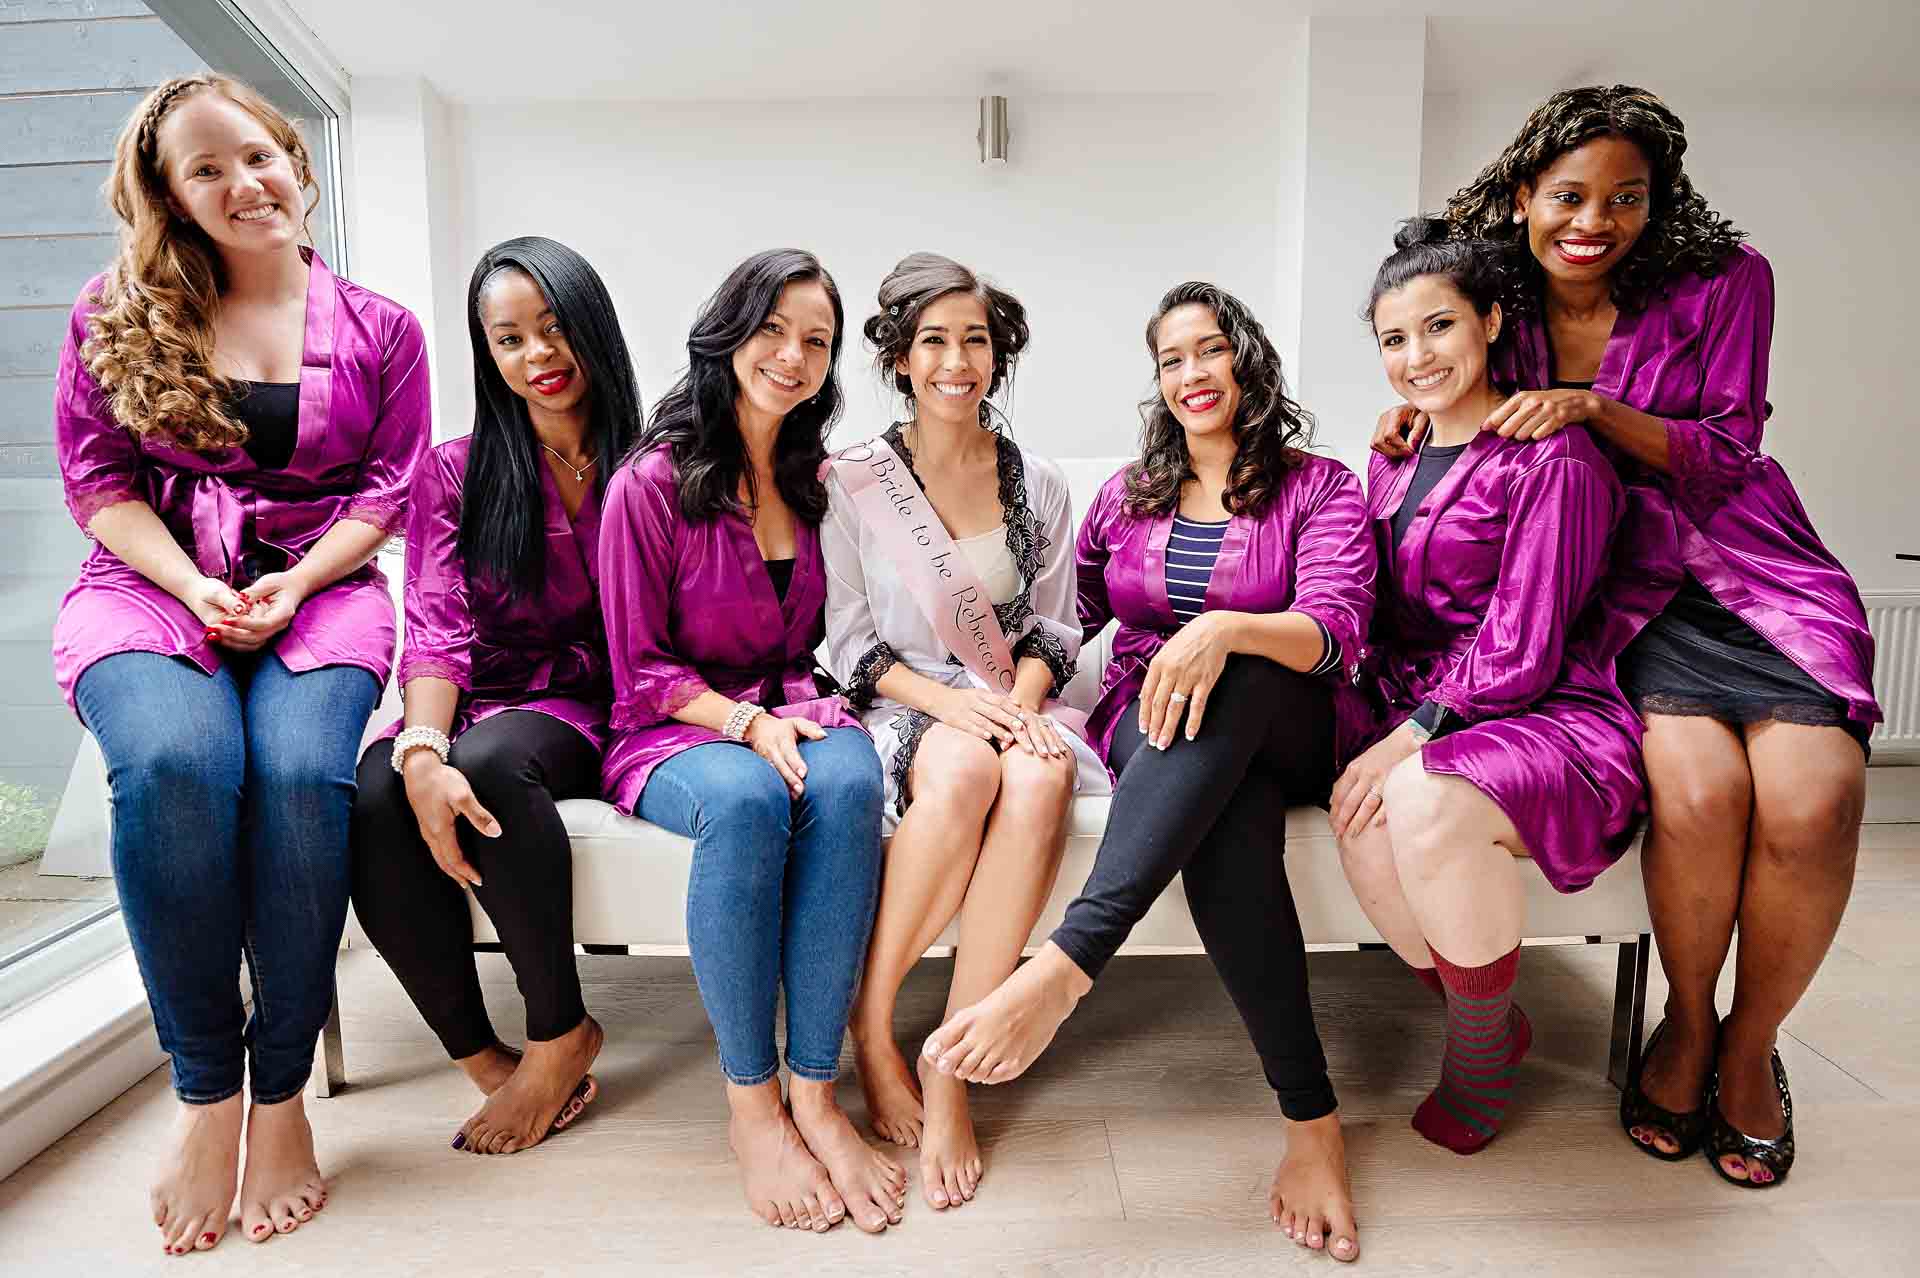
[[505, 650], [1487, 609], [690, 608], [1310, 551], [1727, 513], [364, 421]]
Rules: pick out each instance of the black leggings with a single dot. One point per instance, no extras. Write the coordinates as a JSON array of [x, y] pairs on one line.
[[1214, 810], [518, 762]]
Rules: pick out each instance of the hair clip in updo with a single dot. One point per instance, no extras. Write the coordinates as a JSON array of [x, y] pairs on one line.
[[894, 309]]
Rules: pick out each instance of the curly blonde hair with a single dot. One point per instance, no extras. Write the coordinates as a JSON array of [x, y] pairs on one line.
[[150, 343]]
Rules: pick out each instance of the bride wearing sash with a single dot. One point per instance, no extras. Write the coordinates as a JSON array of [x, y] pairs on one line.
[[951, 625]]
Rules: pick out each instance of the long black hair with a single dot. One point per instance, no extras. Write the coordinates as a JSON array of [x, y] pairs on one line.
[[697, 419], [1270, 433], [1684, 235], [502, 534]]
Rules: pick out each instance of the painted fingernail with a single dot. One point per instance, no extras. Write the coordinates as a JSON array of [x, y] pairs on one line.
[[460, 1141]]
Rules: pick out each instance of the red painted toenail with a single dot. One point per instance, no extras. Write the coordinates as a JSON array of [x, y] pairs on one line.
[[206, 1238]]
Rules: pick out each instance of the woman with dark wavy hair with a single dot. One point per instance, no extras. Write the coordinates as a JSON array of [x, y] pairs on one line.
[[1742, 641], [1501, 733], [506, 687], [714, 592], [1240, 569], [981, 763]]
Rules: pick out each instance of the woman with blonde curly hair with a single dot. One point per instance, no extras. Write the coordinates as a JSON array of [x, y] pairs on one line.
[[1636, 310], [236, 429]]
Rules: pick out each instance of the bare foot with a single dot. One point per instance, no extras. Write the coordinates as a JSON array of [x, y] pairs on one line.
[[193, 1192], [873, 1186], [949, 1155], [547, 1085], [893, 1099], [283, 1187], [1312, 1199], [785, 1183], [1674, 1076], [489, 1068], [997, 1038]]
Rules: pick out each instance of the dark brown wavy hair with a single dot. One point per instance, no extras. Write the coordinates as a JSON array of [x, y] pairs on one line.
[[1271, 432], [1683, 235], [917, 282]]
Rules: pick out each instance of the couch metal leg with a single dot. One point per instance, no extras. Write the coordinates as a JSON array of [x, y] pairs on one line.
[[332, 1074], [1629, 1009]]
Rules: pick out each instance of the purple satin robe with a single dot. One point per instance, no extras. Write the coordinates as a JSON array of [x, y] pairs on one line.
[[364, 420], [503, 649], [1310, 551], [1697, 357], [690, 608], [1487, 609]]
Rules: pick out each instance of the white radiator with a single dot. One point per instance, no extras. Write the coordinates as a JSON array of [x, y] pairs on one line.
[[1894, 618]]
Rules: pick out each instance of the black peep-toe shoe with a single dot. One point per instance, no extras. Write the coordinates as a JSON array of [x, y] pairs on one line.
[[1636, 1110], [1723, 1138]]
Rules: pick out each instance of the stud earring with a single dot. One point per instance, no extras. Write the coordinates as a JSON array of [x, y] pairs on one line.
[[1518, 217]]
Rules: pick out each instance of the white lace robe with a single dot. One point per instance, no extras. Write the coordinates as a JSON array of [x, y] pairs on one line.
[[873, 620]]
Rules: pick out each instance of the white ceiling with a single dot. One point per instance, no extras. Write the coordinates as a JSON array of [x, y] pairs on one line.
[[734, 50]]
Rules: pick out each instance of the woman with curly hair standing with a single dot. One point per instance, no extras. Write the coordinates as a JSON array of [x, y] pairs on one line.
[[1637, 310], [980, 763], [1240, 568], [236, 429]]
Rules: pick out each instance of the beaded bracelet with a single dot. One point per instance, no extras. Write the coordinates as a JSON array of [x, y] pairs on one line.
[[419, 737], [735, 728]]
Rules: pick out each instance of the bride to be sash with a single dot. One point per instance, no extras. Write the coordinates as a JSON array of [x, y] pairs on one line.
[[935, 571], [938, 576]]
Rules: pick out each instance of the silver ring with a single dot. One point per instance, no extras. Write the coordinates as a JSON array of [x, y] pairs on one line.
[[1177, 696], [1373, 792]]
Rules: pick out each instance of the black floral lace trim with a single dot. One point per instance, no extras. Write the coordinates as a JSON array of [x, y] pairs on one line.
[[1026, 543], [862, 685], [1043, 643], [909, 725], [1743, 710]]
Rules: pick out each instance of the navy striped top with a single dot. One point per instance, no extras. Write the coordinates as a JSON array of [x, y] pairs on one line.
[[1192, 549]]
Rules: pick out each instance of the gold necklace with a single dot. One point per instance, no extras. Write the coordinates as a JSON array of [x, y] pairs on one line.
[[579, 472]]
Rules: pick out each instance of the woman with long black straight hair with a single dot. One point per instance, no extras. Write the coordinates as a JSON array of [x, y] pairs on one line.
[[505, 676]]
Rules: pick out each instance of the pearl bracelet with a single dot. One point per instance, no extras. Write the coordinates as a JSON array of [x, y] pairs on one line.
[[419, 737], [735, 728]]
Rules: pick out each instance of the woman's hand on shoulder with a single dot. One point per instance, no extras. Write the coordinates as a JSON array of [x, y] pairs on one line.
[[777, 740], [1542, 413], [439, 796], [1399, 431], [1181, 677]]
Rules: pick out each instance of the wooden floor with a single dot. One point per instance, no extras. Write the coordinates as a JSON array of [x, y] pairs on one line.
[[1142, 1144]]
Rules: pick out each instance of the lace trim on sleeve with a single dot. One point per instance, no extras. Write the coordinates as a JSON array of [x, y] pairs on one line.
[[1043, 643], [862, 684]]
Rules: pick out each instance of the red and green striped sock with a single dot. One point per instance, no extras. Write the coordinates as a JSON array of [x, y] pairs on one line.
[[1431, 979], [1487, 1035]]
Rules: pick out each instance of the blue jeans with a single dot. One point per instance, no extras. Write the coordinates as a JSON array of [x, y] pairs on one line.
[[231, 800], [781, 893]]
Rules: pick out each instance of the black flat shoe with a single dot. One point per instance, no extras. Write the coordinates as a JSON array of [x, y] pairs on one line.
[[1636, 1110], [1724, 1139]]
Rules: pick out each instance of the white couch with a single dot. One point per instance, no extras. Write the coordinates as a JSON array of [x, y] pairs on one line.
[[630, 876]]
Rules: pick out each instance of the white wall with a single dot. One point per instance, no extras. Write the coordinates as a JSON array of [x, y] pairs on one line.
[[1827, 193], [1107, 203]]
